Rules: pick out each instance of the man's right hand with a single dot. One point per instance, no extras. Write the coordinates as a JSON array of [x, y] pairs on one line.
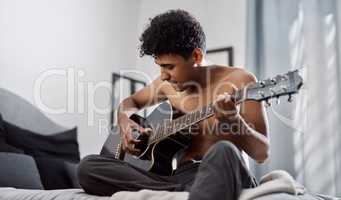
[[127, 126]]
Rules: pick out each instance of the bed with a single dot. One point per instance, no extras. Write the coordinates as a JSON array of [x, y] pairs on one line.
[[18, 111]]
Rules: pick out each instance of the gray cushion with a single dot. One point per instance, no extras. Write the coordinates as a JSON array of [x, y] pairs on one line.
[[19, 111], [71, 169], [4, 147], [19, 171]]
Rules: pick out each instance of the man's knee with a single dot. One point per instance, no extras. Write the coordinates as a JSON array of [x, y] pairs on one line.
[[224, 148], [86, 164], [85, 169]]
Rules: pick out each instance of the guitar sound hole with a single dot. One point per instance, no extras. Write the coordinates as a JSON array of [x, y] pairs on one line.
[[143, 144]]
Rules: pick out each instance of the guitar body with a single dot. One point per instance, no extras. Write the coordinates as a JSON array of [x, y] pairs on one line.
[[157, 157]]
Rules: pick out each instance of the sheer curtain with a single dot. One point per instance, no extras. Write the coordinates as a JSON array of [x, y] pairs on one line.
[[305, 136]]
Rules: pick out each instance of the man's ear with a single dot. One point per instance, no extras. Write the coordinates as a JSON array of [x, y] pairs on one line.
[[197, 56]]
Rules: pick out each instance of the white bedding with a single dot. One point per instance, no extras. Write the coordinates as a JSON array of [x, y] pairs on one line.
[[69, 194], [78, 194], [277, 185]]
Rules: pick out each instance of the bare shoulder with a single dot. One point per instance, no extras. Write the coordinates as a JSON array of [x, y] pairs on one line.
[[244, 76], [238, 76]]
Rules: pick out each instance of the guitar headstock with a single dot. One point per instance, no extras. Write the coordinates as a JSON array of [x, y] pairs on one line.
[[280, 85]]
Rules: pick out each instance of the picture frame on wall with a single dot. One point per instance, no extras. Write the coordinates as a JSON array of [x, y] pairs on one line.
[[221, 56], [122, 87]]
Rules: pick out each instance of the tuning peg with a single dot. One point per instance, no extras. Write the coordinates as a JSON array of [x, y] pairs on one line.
[[262, 83], [278, 101], [267, 103], [273, 81], [290, 99], [261, 93]]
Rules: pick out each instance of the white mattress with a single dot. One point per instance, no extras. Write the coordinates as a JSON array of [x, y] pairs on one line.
[[21, 194], [78, 194]]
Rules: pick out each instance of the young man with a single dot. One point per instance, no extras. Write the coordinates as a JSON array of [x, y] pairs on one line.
[[212, 166]]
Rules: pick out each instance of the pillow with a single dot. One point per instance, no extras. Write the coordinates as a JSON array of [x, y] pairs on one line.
[[50, 153], [19, 171], [4, 147], [62, 145], [2, 126], [72, 169]]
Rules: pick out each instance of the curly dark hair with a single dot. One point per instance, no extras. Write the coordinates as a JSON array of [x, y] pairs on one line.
[[172, 32]]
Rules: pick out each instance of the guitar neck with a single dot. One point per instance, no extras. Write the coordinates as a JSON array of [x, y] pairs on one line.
[[265, 90], [170, 127]]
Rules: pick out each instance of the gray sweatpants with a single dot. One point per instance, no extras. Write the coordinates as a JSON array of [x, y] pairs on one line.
[[221, 175]]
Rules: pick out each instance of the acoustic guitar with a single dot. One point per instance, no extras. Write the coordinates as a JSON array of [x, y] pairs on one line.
[[171, 135]]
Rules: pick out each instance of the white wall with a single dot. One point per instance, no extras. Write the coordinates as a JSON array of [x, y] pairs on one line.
[[97, 37]]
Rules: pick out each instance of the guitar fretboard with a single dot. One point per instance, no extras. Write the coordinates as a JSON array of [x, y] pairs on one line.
[[170, 127]]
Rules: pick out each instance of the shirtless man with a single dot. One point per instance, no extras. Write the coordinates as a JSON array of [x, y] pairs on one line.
[[176, 41]]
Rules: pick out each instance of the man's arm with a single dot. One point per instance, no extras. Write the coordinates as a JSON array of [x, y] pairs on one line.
[[147, 96], [254, 122], [253, 131], [249, 128]]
